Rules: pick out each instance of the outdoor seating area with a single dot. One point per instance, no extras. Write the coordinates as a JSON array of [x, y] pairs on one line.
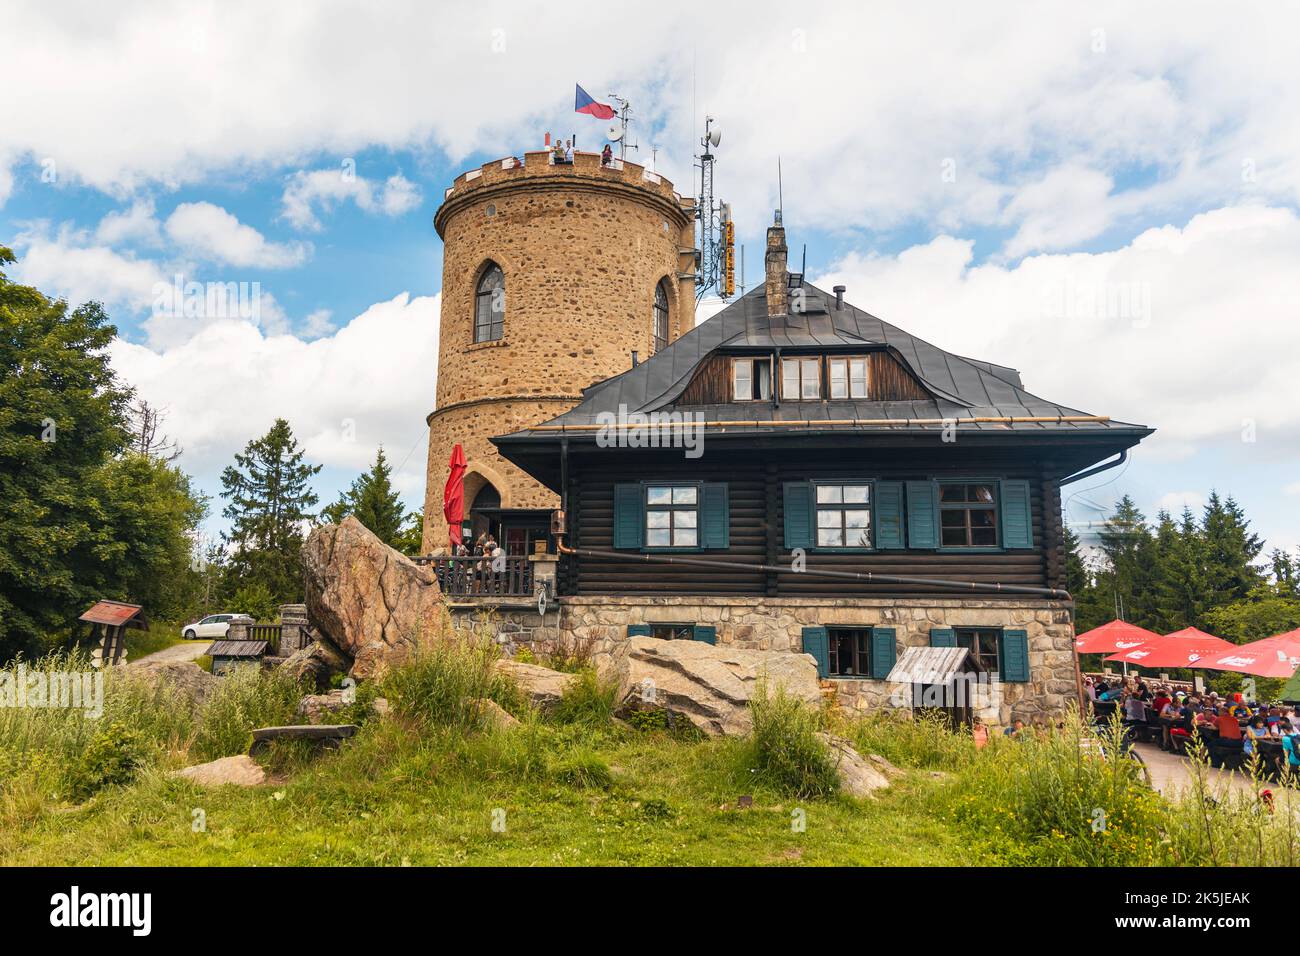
[[1178, 715]]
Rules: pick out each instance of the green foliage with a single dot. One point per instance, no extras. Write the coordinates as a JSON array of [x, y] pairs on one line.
[[441, 681], [269, 499], [584, 768], [924, 741], [785, 749], [587, 700], [254, 598], [111, 758], [374, 503], [246, 698]]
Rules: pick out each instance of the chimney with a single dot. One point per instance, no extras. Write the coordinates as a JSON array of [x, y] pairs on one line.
[[776, 268], [839, 297]]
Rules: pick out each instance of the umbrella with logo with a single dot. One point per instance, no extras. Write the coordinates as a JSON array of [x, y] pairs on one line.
[[1276, 656], [1111, 637], [1189, 647]]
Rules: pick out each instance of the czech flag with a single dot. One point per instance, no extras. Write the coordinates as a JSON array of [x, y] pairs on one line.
[[583, 103]]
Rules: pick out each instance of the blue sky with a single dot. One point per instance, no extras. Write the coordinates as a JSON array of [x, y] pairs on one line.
[[981, 178]]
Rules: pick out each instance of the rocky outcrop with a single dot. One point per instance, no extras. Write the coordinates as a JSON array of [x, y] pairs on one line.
[[371, 602], [859, 776], [494, 715], [240, 771], [711, 686], [185, 677], [542, 686], [321, 708], [315, 664]]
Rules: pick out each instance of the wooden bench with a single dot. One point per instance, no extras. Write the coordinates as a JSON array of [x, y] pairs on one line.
[[322, 735]]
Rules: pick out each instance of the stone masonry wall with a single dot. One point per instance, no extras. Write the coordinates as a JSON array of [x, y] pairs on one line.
[[777, 624], [582, 248]]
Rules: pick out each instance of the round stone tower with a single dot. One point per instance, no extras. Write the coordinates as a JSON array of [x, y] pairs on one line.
[[553, 275]]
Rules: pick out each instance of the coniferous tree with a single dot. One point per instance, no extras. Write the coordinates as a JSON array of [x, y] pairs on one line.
[[270, 503], [1126, 583], [374, 503], [1181, 581], [1230, 551]]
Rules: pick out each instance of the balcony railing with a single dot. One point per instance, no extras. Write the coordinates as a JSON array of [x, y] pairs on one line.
[[482, 577]]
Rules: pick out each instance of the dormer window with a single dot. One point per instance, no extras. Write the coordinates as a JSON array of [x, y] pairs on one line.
[[848, 377], [801, 379], [751, 379]]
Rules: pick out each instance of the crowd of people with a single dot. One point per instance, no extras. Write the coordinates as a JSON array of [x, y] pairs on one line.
[[1232, 727]]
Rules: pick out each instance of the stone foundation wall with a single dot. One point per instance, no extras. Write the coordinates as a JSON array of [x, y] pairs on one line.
[[777, 624]]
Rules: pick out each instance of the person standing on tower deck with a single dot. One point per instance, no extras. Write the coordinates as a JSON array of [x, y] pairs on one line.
[[606, 155]]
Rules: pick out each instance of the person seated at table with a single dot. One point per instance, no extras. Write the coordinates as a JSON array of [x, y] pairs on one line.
[[1273, 717], [1254, 731], [1143, 692], [1161, 700], [1290, 745], [1239, 709], [1135, 710]]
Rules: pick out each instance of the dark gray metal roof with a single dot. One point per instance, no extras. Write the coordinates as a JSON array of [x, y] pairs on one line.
[[961, 388], [238, 649]]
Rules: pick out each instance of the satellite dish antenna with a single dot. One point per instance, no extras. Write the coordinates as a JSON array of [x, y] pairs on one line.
[[715, 137], [614, 134]]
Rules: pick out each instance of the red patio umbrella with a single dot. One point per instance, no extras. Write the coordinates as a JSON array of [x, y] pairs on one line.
[[1185, 648], [453, 495], [1114, 636], [1276, 656]]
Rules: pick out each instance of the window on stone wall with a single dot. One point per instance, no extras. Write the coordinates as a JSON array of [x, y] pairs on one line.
[[673, 632], [850, 651], [490, 305], [982, 642], [661, 316]]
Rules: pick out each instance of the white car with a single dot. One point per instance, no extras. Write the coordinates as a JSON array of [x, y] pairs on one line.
[[213, 627]]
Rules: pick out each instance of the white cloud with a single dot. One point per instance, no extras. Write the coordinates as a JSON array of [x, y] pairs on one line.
[[864, 104], [1067, 206], [317, 323], [326, 188], [344, 394], [134, 225], [210, 232], [1191, 330], [60, 265], [1292, 489]]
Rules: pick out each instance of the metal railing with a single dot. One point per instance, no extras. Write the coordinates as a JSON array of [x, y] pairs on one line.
[[482, 577]]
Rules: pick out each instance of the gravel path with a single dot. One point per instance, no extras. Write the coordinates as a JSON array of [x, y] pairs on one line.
[[185, 651]]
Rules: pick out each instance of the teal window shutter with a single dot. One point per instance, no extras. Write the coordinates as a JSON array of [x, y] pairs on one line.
[[889, 515], [629, 515], [706, 633], [942, 637], [818, 643], [639, 630], [922, 515], [1017, 523], [1013, 656], [715, 516], [883, 651], [798, 515]]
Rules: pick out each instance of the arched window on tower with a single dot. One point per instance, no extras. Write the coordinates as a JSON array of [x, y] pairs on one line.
[[661, 315], [490, 305]]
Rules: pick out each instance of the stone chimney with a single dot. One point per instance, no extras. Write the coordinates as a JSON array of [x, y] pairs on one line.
[[775, 287]]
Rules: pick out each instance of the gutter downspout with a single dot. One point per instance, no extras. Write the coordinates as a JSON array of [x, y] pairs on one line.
[[1096, 470]]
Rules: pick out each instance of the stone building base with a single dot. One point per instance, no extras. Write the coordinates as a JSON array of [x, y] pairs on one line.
[[777, 624]]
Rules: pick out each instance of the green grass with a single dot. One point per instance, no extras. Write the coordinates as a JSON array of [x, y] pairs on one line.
[[157, 637]]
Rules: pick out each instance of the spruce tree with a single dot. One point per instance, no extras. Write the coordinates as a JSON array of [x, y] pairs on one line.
[[374, 503], [1230, 551], [270, 503]]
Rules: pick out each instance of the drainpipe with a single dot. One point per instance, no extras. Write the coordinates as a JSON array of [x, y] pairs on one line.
[[1104, 466]]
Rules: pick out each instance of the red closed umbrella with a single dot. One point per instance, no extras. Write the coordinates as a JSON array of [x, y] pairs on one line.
[[453, 496], [1186, 648], [1276, 656], [1114, 636]]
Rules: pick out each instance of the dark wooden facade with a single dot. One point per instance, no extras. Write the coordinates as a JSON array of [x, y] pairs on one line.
[[756, 476], [888, 380]]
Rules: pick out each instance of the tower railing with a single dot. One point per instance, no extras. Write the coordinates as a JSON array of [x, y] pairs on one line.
[[510, 576]]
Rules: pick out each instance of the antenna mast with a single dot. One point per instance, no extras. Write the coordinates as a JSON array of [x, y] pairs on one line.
[[624, 120], [716, 269]]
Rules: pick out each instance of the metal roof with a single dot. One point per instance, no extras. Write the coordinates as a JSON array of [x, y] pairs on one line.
[[961, 389], [238, 649], [114, 613], [932, 665]]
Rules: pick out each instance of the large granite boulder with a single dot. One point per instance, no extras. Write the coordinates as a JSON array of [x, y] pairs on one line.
[[711, 686], [542, 686], [859, 776], [316, 663], [183, 677], [369, 601]]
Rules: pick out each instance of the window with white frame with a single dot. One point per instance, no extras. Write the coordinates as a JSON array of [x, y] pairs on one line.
[[672, 516], [848, 377], [751, 379], [844, 516], [801, 379]]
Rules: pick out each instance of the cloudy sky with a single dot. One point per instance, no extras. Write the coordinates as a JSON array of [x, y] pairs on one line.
[[1105, 196]]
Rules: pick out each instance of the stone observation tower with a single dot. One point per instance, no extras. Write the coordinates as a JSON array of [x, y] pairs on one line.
[[553, 275]]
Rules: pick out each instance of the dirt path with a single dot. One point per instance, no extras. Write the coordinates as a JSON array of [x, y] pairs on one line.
[[185, 651], [1170, 775]]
